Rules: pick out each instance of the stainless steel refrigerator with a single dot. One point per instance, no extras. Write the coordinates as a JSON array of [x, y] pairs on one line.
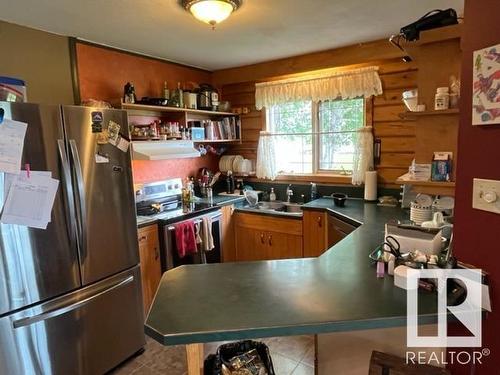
[[70, 295]]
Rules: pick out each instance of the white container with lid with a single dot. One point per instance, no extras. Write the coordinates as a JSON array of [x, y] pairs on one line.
[[442, 99]]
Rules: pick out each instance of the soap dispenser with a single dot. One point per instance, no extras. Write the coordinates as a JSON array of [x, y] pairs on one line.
[[272, 195]]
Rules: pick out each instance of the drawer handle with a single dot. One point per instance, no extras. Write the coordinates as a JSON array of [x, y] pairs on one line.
[[262, 238], [320, 222], [143, 238], [270, 240]]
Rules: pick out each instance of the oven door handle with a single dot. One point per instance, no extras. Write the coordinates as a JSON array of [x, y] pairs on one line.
[[198, 220]]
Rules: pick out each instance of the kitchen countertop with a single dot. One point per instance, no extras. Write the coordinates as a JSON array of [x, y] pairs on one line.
[[338, 291], [204, 205]]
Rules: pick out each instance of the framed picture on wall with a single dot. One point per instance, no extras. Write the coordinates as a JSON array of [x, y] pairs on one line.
[[486, 86]]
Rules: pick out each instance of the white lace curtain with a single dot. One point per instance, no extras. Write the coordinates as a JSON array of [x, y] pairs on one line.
[[363, 82], [363, 156], [266, 157]]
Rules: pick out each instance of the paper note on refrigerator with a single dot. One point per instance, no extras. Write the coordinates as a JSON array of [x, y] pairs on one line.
[[30, 200], [123, 144], [10, 178], [11, 145]]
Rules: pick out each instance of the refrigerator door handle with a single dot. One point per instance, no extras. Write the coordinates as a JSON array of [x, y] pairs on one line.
[[67, 192], [82, 217], [65, 309]]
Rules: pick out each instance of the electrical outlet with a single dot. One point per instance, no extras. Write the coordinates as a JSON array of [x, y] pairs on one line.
[[486, 195]]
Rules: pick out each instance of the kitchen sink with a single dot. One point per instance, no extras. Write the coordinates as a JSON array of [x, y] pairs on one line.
[[275, 206], [293, 207], [279, 206]]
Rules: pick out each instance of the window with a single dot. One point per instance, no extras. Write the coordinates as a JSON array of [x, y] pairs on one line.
[[314, 138]]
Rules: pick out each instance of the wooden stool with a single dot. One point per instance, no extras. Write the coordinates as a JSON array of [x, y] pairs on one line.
[[386, 364]]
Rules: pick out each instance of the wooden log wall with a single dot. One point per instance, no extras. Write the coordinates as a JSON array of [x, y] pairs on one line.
[[397, 135]]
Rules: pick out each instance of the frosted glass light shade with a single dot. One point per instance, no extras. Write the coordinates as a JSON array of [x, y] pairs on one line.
[[211, 11]]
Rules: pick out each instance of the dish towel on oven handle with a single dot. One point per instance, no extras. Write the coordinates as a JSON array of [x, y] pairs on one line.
[[206, 234], [197, 230], [185, 238]]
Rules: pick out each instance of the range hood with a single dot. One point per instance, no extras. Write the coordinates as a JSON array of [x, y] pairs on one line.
[[163, 150]]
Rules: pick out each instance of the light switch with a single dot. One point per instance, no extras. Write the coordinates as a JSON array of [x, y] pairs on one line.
[[486, 195]]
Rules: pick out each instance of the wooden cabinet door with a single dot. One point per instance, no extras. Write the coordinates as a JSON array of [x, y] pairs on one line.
[[337, 230], [283, 245], [228, 235], [315, 233], [149, 253], [254, 240], [250, 244]]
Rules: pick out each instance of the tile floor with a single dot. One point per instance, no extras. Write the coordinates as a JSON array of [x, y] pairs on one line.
[[292, 355]]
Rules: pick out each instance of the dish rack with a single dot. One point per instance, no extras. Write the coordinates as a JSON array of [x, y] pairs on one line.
[[420, 213]]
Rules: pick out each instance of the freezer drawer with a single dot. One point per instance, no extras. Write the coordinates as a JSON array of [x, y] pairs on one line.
[[86, 332]]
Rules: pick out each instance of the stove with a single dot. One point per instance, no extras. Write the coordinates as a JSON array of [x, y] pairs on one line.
[[162, 201]]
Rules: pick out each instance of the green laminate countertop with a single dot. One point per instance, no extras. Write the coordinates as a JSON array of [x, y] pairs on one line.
[[338, 291]]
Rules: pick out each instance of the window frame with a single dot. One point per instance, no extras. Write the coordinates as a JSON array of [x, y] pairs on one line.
[[326, 174]]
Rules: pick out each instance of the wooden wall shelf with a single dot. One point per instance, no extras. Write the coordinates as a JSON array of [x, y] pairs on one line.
[[431, 187], [218, 141], [156, 108], [427, 183], [444, 112], [184, 116]]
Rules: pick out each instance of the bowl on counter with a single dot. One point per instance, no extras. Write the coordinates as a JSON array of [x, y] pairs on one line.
[[339, 199]]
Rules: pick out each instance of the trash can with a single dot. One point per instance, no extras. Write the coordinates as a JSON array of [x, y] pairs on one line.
[[227, 352]]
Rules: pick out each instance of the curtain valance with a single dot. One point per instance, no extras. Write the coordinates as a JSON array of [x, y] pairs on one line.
[[363, 82]]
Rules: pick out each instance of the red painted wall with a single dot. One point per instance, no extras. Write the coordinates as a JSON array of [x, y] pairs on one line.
[[477, 232], [103, 72], [146, 171]]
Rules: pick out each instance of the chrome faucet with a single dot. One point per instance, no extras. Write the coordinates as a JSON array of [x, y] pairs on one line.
[[289, 193]]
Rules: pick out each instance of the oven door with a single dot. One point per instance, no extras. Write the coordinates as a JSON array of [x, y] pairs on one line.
[[170, 256]]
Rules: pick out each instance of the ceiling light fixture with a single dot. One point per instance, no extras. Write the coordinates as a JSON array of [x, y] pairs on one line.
[[211, 11]]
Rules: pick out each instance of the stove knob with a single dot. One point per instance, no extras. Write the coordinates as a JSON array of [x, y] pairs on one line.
[[169, 187], [177, 186]]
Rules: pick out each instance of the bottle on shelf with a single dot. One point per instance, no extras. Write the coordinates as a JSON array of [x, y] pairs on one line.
[[442, 99], [166, 91], [179, 96]]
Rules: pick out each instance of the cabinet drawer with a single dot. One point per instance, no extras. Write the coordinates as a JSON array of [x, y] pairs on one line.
[[266, 222]]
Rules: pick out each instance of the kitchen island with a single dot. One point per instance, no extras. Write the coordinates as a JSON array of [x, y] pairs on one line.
[[338, 291]]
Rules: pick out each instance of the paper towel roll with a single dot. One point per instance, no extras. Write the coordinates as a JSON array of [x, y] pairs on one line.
[[371, 186]]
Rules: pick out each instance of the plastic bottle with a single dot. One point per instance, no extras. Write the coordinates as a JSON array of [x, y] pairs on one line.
[[442, 99], [314, 191], [230, 183], [272, 195]]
